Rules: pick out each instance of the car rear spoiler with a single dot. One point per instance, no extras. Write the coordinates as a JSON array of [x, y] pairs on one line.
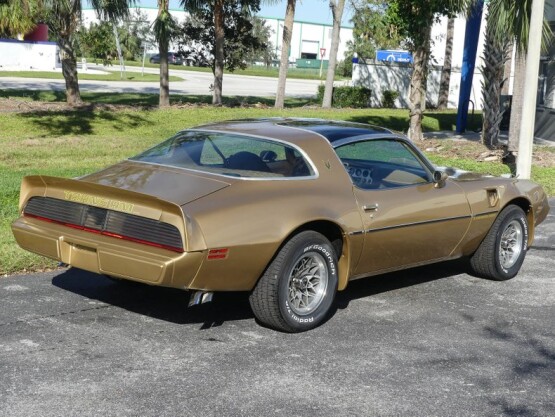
[[103, 196]]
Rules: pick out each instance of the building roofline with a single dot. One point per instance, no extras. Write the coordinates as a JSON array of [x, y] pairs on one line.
[[304, 22]]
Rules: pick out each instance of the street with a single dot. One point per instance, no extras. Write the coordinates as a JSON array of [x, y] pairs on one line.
[[195, 83], [432, 341]]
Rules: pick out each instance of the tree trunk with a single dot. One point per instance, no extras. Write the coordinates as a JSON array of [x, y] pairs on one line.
[[164, 74], [418, 86], [445, 82], [219, 52], [495, 55], [516, 106], [492, 71], [337, 13], [69, 71], [285, 46], [163, 46]]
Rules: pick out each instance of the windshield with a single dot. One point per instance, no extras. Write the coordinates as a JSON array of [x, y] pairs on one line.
[[229, 154]]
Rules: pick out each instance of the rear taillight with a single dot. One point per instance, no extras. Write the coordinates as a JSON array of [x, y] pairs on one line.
[[105, 222]]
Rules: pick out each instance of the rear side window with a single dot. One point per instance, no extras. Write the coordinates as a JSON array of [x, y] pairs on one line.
[[229, 154]]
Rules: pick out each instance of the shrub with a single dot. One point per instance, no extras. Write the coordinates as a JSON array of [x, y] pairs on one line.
[[345, 68], [357, 97], [388, 99]]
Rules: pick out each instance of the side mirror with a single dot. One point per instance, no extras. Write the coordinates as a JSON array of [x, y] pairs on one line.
[[439, 178]]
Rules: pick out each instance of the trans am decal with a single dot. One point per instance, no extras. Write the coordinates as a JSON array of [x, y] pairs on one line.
[[96, 201]]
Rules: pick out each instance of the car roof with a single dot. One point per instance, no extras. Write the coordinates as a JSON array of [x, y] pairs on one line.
[[299, 130]]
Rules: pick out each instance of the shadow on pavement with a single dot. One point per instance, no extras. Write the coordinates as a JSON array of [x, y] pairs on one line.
[[378, 284], [170, 304], [166, 304]]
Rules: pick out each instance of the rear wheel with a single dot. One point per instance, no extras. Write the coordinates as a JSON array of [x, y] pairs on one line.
[[502, 252], [298, 288]]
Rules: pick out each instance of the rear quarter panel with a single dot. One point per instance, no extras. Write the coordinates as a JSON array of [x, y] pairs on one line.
[[253, 218], [487, 196]]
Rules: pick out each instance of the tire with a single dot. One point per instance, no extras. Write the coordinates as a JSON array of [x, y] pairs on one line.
[[501, 254], [286, 298]]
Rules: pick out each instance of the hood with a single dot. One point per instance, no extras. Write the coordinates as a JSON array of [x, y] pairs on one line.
[[176, 185]]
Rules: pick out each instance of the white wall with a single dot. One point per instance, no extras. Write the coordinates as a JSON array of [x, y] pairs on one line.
[[380, 77], [22, 55]]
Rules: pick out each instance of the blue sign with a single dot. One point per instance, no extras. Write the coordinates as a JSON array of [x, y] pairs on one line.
[[394, 56]]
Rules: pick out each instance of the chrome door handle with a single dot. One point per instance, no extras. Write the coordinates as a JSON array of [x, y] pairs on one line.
[[371, 207]]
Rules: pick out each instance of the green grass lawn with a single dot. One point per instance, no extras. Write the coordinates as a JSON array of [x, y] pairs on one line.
[[257, 71], [72, 143], [111, 76], [141, 99]]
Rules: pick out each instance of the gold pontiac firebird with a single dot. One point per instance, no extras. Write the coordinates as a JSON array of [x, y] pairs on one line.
[[290, 210]]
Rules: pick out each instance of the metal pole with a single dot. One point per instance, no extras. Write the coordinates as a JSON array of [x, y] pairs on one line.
[[472, 34], [527, 125], [120, 56]]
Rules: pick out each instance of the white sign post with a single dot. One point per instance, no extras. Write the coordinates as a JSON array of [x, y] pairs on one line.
[[322, 55]]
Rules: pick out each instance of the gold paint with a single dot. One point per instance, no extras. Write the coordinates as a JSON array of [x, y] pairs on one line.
[[92, 200]]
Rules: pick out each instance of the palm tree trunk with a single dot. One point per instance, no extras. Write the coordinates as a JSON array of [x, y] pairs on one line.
[[285, 46], [337, 13], [445, 82], [418, 86], [495, 55], [164, 73], [219, 51], [69, 71], [162, 28]]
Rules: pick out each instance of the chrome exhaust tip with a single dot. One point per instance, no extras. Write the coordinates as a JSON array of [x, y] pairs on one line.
[[200, 297]]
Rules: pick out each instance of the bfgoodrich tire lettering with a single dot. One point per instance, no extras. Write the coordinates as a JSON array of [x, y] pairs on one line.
[[502, 252], [298, 288]]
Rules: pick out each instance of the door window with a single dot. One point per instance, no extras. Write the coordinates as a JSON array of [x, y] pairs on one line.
[[383, 164]]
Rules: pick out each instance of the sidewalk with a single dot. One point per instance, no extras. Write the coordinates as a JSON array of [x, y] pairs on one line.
[[475, 137]]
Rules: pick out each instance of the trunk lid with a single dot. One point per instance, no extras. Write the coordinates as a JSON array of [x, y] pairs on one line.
[[176, 185]]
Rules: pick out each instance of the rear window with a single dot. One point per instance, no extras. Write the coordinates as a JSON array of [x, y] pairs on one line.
[[229, 154]]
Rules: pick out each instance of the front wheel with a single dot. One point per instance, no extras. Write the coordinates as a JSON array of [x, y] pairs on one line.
[[502, 252], [297, 289]]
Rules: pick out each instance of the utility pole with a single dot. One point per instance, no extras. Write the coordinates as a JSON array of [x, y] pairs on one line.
[[524, 158]]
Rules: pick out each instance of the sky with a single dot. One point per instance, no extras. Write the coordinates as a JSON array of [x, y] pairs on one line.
[[316, 11]]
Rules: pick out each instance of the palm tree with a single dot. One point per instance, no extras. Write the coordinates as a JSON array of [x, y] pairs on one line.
[[336, 7], [508, 21], [217, 7], [496, 49], [164, 30], [285, 46], [443, 100], [415, 17], [63, 19], [16, 17]]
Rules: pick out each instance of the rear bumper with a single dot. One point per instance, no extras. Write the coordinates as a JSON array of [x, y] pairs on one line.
[[107, 255]]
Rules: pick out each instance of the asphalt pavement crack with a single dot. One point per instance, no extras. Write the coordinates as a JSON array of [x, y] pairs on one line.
[[60, 314]]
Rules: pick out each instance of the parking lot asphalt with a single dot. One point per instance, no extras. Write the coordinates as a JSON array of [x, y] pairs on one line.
[[432, 341]]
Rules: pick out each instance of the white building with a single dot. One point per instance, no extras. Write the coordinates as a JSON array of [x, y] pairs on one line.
[[308, 42]]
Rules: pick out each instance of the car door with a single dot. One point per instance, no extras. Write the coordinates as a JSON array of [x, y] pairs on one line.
[[408, 219]]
